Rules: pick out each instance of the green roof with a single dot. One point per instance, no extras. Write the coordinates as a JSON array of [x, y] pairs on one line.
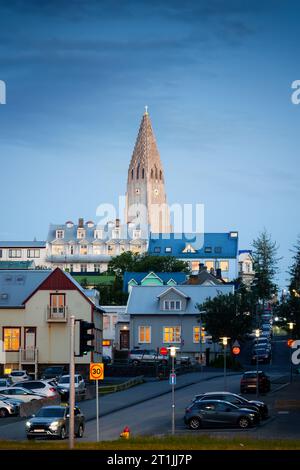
[[16, 265]]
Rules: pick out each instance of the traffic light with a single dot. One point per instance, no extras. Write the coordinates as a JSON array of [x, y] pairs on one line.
[[86, 337]]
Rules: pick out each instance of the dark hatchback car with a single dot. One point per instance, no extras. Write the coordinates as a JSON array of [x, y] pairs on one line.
[[53, 422], [248, 382], [237, 400], [54, 372], [261, 354], [216, 413]]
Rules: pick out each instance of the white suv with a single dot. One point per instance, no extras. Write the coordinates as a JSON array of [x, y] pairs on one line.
[[19, 376]]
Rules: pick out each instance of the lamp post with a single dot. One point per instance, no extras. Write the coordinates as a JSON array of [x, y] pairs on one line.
[[291, 327], [257, 335], [225, 342], [173, 377], [200, 339]]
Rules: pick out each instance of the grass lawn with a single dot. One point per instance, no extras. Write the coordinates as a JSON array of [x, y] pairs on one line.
[[96, 280], [183, 442]]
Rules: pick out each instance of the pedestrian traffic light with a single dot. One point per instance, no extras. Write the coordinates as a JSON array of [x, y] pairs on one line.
[[86, 337]]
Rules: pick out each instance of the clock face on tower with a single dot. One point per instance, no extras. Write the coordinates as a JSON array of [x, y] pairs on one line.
[[137, 191], [156, 192]]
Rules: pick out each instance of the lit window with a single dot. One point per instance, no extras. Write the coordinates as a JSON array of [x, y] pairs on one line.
[[106, 322], [33, 253], [15, 253], [144, 334], [81, 233], [208, 249], [172, 334], [57, 303], [59, 233], [11, 339], [106, 342], [172, 305], [224, 265], [83, 249], [196, 334], [195, 265], [210, 265]]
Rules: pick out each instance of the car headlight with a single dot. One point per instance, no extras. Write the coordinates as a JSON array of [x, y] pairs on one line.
[[54, 426], [251, 415], [28, 424]]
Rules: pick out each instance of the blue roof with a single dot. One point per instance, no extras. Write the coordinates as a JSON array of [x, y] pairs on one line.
[[207, 245], [17, 285], [22, 244], [178, 277], [144, 300]]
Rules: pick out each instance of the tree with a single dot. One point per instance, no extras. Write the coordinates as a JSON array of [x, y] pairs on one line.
[[294, 270], [227, 315], [124, 262], [265, 267], [129, 261]]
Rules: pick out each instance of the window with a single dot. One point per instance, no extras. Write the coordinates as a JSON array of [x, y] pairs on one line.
[[171, 334], [138, 172], [97, 268], [151, 173], [144, 334], [218, 249], [71, 268], [59, 233], [210, 265], [195, 265], [132, 174], [83, 268], [0, 253], [58, 249], [97, 250], [33, 253], [80, 233], [143, 173], [71, 250], [224, 265], [98, 234], [106, 322], [57, 303], [83, 249], [157, 249], [136, 234], [116, 233], [12, 339], [114, 320], [233, 234], [160, 175], [196, 334], [15, 253], [172, 305], [168, 249], [208, 249]]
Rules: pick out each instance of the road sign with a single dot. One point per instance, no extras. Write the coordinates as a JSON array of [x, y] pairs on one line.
[[163, 351], [236, 344], [172, 379], [97, 371], [290, 343], [236, 350]]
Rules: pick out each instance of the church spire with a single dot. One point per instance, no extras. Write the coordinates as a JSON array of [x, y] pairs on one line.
[[145, 184]]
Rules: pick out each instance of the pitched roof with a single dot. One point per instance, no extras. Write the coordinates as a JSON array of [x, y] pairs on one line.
[[179, 277], [22, 244], [204, 277], [17, 285], [206, 245], [143, 300]]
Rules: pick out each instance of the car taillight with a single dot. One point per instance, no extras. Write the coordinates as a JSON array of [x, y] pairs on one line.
[[52, 389]]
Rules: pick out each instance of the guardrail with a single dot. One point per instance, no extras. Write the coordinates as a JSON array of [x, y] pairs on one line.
[[123, 386]]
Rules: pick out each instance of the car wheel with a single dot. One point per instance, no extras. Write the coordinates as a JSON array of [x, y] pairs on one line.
[[194, 423], [3, 413], [135, 362], [62, 433], [244, 422], [80, 431]]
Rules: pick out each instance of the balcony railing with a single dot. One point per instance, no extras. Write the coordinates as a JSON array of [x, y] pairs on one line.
[[28, 356], [57, 314]]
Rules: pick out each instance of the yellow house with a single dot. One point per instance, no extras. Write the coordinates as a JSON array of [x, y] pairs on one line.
[[35, 309]]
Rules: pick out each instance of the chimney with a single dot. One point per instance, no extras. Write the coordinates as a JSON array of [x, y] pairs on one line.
[[219, 273], [80, 222], [117, 223]]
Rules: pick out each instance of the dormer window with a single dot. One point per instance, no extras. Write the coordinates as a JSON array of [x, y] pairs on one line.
[[233, 234], [116, 233], [81, 233], [168, 249], [60, 233], [172, 305], [98, 234], [208, 249]]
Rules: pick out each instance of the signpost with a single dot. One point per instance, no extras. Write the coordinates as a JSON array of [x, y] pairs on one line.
[[172, 379], [97, 373]]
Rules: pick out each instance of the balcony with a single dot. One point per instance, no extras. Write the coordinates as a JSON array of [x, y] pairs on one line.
[[28, 356], [57, 314]]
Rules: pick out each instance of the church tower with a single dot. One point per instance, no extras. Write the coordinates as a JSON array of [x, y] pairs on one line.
[[146, 202]]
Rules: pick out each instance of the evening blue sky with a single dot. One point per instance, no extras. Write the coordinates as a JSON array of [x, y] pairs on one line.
[[216, 76]]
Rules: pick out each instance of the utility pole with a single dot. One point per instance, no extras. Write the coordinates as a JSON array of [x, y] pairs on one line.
[[72, 384]]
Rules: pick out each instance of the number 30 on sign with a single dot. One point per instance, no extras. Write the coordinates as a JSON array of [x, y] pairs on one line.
[[96, 371]]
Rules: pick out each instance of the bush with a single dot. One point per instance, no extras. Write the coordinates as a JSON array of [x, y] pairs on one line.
[[231, 362]]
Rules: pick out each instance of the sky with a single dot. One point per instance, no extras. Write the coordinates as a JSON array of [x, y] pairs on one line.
[[216, 76]]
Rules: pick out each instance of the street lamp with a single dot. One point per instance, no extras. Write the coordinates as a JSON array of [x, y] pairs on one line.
[[291, 327], [173, 378], [257, 335], [225, 342]]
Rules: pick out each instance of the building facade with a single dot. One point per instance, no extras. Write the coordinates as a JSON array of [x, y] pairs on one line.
[[152, 279], [246, 270], [35, 308], [20, 251]]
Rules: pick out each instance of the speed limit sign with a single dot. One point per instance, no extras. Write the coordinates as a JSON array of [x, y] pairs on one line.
[[96, 371]]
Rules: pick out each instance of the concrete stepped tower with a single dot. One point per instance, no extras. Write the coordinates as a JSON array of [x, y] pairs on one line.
[[146, 202]]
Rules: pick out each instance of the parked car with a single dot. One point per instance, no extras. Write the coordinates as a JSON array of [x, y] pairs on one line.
[[8, 409], [19, 376], [137, 356], [248, 382], [12, 400], [5, 382], [261, 340], [53, 421], [106, 359], [54, 372], [20, 393], [63, 386], [261, 355], [237, 400], [40, 387], [219, 413]]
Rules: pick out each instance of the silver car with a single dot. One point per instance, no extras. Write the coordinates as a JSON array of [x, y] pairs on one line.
[[63, 385], [7, 409], [40, 387]]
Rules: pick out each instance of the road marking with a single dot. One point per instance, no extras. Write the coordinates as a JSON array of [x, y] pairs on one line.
[[283, 412]]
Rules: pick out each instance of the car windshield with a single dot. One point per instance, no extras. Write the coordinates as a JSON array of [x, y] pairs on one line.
[[53, 370], [66, 379], [51, 413], [17, 374], [251, 375], [3, 382]]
